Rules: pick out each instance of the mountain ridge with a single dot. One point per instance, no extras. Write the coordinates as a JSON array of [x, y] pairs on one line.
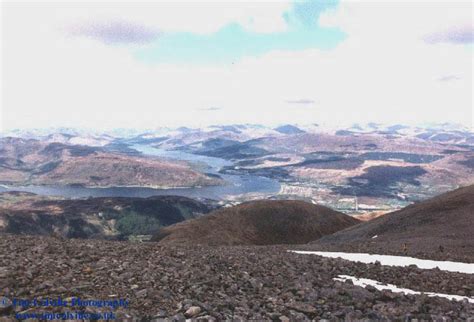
[[442, 226], [25, 213]]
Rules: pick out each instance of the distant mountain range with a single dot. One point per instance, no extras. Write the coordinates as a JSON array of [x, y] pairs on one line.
[[310, 127], [357, 169]]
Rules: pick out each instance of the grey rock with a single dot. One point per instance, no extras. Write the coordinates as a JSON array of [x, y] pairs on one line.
[[192, 311]]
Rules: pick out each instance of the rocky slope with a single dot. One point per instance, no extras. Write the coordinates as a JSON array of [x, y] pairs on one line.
[[111, 217], [216, 283], [34, 162], [442, 227], [262, 222]]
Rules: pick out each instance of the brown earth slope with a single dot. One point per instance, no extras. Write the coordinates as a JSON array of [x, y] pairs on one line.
[[264, 222], [441, 227]]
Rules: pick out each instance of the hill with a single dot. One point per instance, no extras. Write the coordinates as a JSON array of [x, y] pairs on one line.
[[34, 162], [102, 218], [289, 129], [264, 222], [440, 227]]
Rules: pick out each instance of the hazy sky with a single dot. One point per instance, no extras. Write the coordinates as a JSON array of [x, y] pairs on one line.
[[149, 64]]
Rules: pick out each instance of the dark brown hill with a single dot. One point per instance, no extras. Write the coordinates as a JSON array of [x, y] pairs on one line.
[[264, 222], [439, 227], [102, 218]]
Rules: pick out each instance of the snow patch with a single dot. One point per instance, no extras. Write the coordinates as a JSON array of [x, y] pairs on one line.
[[396, 261], [363, 282]]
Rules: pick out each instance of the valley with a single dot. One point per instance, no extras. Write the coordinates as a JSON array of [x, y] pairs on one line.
[[359, 170]]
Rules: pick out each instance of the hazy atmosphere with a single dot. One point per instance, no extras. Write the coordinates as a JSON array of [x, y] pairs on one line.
[[150, 64]]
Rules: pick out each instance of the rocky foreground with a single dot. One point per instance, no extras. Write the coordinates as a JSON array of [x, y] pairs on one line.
[[236, 282]]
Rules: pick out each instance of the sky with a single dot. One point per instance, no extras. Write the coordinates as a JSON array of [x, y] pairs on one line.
[[119, 64]]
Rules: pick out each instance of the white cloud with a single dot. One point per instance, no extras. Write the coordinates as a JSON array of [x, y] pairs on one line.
[[200, 17], [384, 71], [387, 20], [115, 32], [389, 64]]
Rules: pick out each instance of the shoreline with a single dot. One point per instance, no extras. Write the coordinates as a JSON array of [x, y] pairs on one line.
[[11, 187]]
